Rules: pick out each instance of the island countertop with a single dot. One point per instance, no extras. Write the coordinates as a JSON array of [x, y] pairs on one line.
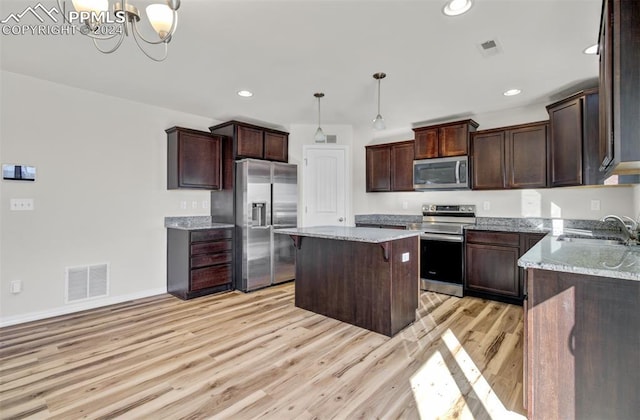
[[357, 234], [613, 261]]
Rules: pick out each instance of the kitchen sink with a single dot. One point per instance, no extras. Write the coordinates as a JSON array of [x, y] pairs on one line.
[[589, 241]]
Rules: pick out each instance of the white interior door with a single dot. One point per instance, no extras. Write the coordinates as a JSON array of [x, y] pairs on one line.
[[325, 174]]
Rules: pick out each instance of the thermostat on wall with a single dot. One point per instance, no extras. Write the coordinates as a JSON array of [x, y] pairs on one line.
[[19, 172]]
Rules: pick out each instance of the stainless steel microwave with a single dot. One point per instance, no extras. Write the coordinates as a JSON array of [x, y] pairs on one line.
[[450, 173]]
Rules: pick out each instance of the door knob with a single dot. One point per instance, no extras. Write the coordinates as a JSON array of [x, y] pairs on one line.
[[341, 219]]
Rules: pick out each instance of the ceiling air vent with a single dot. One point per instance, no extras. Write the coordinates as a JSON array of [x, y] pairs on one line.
[[489, 48], [86, 282]]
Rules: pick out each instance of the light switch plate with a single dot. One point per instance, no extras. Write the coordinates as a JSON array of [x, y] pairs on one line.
[[595, 205]]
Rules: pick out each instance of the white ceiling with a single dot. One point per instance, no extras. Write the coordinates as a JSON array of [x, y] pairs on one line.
[[284, 51]]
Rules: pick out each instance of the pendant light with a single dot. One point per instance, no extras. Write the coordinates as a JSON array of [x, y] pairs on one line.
[[378, 122], [319, 137]]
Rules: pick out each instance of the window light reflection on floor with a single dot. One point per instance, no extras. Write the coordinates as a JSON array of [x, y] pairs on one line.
[[437, 386]]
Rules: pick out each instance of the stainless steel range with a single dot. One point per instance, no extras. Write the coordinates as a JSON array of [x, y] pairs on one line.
[[442, 246]]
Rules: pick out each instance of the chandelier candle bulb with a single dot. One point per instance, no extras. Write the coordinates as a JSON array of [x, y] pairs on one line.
[[161, 18]]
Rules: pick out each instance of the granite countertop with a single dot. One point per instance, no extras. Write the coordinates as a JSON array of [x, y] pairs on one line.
[[389, 219], [341, 233], [614, 261], [507, 228], [194, 223]]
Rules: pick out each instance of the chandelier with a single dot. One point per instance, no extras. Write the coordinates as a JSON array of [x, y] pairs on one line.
[[110, 25]]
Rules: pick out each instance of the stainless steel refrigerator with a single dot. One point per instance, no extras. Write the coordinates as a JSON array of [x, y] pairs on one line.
[[266, 198]]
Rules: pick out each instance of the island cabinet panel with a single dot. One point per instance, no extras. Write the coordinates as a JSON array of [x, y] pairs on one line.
[[583, 334], [199, 261], [353, 281], [194, 159]]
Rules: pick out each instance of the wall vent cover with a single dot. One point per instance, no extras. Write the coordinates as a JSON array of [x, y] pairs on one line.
[[332, 138], [86, 282]]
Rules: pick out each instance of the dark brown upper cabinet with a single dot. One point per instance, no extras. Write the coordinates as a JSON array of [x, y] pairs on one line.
[[574, 140], [619, 50], [389, 167], [251, 141], [443, 140], [509, 157], [194, 159]]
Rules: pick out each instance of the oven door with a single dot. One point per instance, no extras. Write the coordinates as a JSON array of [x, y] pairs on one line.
[[442, 263]]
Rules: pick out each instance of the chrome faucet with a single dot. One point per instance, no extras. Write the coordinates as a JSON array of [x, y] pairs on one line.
[[629, 231]]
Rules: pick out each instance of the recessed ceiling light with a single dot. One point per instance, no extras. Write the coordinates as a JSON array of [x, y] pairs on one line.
[[245, 93], [512, 92], [591, 50], [457, 7]]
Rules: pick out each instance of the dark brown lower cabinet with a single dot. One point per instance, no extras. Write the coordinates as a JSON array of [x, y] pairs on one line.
[[199, 261], [582, 346], [491, 264]]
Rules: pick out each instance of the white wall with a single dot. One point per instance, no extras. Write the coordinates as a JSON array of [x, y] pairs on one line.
[[571, 203], [100, 194]]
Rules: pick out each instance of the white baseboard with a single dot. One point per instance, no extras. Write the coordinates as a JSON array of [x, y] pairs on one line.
[[68, 309]]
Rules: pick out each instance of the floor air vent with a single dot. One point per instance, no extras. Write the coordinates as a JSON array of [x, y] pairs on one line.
[[86, 282]]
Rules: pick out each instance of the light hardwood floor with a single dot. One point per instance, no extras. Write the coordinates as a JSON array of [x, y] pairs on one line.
[[256, 355]]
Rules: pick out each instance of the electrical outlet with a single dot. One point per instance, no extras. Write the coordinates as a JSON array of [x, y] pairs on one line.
[[21, 204], [183, 205], [205, 204], [486, 205], [16, 286], [595, 205], [405, 205], [194, 204], [405, 257]]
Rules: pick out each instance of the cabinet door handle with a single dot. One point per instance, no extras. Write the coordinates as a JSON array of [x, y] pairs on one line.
[[572, 340]]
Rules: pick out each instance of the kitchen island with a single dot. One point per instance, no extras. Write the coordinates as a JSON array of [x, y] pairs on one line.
[[364, 276]]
